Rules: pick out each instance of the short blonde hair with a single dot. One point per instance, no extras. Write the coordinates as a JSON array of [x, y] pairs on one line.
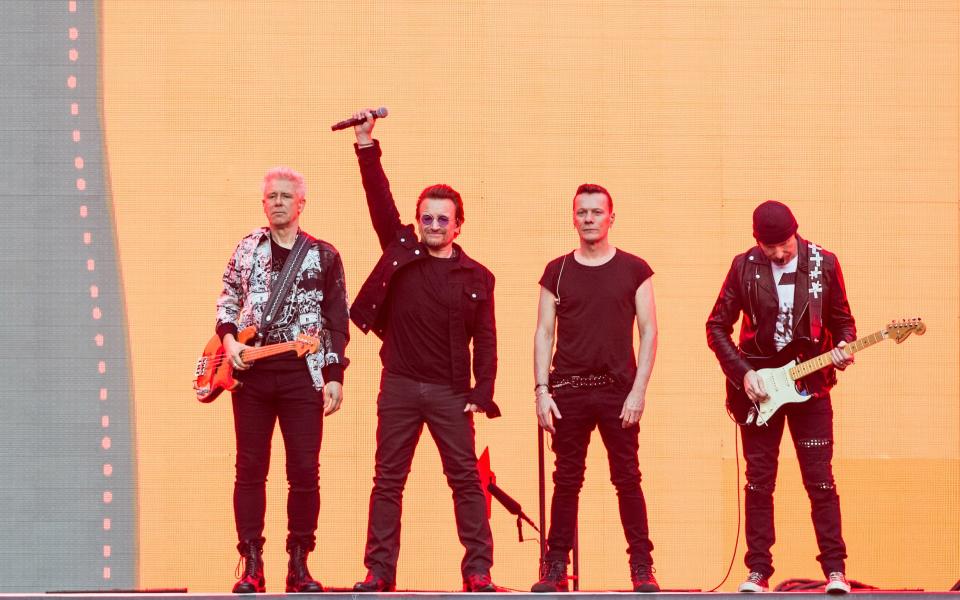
[[299, 187]]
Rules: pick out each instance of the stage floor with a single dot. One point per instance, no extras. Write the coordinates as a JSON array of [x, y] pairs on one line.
[[864, 595]]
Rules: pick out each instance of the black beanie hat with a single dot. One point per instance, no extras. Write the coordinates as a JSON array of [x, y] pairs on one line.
[[773, 223]]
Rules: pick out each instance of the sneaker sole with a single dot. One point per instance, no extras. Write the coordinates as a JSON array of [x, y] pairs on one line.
[[836, 591]]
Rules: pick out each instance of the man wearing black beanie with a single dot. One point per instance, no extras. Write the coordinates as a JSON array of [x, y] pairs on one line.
[[791, 293]]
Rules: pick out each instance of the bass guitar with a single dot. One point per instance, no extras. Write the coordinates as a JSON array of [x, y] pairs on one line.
[[214, 372], [782, 373]]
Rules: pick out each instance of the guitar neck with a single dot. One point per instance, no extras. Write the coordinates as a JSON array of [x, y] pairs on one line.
[[267, 351], [823, 361]]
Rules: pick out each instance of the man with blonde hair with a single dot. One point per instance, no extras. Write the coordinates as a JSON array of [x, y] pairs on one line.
[[295, 391]]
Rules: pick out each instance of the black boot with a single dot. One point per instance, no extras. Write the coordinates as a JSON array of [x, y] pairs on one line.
[[641, 576], [298, 575], [251, 580], [374, 583], [553, 577]]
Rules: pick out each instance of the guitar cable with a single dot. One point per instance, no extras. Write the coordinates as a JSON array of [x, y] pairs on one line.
[[736, 542]]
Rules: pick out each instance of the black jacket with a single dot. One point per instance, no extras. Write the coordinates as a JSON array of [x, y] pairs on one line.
[[470, 288], [749, 288]]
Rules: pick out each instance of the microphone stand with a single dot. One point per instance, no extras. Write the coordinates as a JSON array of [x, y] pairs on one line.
[[513, 507], [543, 493]]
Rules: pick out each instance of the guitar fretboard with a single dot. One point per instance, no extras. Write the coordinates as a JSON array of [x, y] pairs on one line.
[[823, 361], [265, 351]]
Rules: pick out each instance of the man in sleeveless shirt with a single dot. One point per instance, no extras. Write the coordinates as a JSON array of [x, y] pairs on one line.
[[787, 289], [589, 301], [293, 390]]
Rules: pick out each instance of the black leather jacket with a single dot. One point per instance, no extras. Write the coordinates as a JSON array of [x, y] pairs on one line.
[[749, 288], [471, 289]]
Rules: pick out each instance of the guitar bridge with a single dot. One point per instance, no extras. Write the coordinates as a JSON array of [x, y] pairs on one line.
[[201, 366]]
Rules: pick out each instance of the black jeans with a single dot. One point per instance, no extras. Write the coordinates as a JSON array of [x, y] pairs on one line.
[[403, 407], [264, 398], [811, 427], [582, 410]]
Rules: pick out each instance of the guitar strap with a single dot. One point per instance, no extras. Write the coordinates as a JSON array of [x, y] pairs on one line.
[[283, 284], [814, 264]]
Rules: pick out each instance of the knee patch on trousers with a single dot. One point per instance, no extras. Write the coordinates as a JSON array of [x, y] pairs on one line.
[[759, 488], [815, 443], [817, 453]]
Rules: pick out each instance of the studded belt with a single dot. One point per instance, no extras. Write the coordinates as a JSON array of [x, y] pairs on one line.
[[580, 381]]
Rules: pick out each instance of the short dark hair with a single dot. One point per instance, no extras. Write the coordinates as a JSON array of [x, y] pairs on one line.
[[592, 188], [442, 191]]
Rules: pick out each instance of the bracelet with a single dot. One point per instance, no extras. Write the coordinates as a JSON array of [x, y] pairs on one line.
[[537, 387]]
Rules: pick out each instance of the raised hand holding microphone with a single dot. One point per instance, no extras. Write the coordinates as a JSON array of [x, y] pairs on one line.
[[368, 115], [364, 127]]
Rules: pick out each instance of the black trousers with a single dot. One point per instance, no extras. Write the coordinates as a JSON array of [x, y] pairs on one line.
[[811, 427], [404, 406], [265, 398], [582, 410]]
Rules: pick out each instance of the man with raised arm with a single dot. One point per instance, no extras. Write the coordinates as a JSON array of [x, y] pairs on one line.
[[428, 301]]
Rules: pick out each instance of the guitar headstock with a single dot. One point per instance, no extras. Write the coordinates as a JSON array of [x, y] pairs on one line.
[[305, 344], [901, 330]]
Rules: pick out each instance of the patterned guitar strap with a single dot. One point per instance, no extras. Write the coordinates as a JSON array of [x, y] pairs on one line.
[[283, 284], [814, 264]]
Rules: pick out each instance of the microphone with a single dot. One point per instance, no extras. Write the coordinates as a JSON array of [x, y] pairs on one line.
[[488, 482], [513, 507], [377, 114]]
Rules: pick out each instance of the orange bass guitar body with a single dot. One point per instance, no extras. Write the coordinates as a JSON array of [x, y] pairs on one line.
[[214, 373]]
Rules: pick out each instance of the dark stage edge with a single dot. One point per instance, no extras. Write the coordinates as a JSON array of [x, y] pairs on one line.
[[865, 595]]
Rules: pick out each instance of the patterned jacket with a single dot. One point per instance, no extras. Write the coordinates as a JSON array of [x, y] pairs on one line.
[[316, 305]]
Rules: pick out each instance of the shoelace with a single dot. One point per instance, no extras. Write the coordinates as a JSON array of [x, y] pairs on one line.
[[642, 570], [479, 580], [755, 577], [302, 571], [837, 576], [248, 567], [553, 570]]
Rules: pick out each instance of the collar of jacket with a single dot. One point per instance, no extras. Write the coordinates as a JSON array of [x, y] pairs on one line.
[[756, 256], [463, 261], [263, 233]]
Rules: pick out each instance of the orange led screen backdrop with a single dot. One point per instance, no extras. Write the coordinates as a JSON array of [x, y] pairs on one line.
[[690, 113]]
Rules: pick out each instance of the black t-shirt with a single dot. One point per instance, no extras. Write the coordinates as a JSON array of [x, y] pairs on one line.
[[417, 341], [288, 361], [596, 315]]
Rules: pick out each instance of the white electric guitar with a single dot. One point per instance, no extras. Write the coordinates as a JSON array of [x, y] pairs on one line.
[[782, 373]]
